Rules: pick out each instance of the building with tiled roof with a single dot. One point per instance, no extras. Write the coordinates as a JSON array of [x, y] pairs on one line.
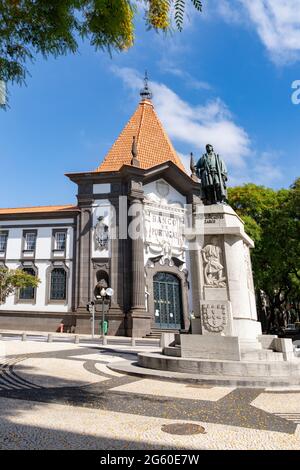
[[153, 146], [128, 231], [72, 247], [38, 209]]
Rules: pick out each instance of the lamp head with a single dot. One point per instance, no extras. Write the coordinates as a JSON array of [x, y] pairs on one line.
[[103, 292]]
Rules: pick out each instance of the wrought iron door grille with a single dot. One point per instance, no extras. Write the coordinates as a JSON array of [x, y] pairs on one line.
[[167, 301]]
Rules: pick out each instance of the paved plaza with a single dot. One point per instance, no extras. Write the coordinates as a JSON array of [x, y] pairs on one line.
[[64, 396]]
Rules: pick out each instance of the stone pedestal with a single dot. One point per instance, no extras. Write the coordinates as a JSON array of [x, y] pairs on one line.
[[226, 304]]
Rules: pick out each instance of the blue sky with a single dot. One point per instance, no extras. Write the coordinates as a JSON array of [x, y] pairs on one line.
[[226, 80]]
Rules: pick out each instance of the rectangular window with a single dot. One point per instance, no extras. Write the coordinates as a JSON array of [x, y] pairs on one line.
[[3, 242], [60, 241], [58, 285], [27, 293], [30, 241]]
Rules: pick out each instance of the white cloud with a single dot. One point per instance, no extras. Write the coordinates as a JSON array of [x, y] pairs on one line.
[[262, 170], [277, 23], [228, 9], [265, 171], [196, 126], [189, 80]]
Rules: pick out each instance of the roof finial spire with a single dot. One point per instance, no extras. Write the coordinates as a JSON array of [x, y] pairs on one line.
[[146, 93]]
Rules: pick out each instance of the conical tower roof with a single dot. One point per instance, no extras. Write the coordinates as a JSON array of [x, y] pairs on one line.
[[152, 145]]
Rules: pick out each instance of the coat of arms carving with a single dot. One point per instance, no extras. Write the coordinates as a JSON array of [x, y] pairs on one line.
[[162, 188], [101, 234], [214, 317]]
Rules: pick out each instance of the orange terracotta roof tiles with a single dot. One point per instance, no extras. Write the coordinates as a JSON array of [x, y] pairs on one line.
[[153, 144], [36, 209]]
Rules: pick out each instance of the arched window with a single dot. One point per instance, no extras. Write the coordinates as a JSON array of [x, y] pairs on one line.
[[28, 293], [102, 281], [58, 284]]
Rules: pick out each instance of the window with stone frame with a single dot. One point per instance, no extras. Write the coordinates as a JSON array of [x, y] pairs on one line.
[[30, 241], [27, 293], [3, 241], [60, 241], [58, 284]]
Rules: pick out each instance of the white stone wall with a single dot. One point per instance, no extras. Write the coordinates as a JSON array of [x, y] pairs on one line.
[[41, 261]]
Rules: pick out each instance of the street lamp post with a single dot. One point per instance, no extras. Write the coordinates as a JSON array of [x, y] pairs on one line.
[[93, 319], [103, 294], [91, 309]]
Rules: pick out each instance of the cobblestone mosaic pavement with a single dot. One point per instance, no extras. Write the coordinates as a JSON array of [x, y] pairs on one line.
[[63, 396]]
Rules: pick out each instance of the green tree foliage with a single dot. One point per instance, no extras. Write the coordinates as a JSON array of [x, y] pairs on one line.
[[13, 279], [272, 219], [53, 27]]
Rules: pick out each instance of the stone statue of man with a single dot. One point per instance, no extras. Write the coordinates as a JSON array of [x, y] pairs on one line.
[[212, 172]]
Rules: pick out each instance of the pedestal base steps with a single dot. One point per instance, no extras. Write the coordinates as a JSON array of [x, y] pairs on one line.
[[221, 359], [222, 373]]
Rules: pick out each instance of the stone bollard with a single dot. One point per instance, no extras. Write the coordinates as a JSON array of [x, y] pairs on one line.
[[104, 340], [76, 339], [132, 341], [50, 338], [24, 337]]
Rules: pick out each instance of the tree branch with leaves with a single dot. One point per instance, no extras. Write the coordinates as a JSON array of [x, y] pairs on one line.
[[53, 27], [13, 279]]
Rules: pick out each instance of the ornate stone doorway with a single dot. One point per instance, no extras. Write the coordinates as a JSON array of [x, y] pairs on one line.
[[167, 301]]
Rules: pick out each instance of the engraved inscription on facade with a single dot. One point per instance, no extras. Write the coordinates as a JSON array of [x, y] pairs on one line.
[[212, 218], [164, 226]]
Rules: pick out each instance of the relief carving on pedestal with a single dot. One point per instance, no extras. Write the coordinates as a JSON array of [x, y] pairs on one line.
[[213, 268], [214, 317]]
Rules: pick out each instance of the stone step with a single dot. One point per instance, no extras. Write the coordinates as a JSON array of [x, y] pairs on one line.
[[174, 351], [261, 355], [131, 368], [264, 355], [221, 368], [157, 332]]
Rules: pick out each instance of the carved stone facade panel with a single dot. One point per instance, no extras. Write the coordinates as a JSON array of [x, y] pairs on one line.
[[101, 234], [213, 264], [163, 228], [216, 318]]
